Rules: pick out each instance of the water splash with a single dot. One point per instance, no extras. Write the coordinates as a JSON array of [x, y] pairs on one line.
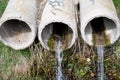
[[59, 56], [100, 50]]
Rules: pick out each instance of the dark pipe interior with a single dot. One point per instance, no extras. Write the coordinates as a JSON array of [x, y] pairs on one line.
[[78, 7], [98, 31], [57, 31], [15, 31], [99, 26], [61, 30]]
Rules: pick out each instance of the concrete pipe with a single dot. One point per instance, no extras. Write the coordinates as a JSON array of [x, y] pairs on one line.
[[58, 23], [99, 22], [18, 24]]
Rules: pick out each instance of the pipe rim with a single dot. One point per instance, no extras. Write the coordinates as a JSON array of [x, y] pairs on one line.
[[108, 16], [32, 33], [74, 36]]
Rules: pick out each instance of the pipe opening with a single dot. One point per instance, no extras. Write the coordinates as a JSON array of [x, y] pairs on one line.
[[102, 30], [54, 32], [15, 32]]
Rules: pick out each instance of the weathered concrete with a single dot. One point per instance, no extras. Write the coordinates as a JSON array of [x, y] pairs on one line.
[[18, 24], [58, 17], [93, 10], [76, 2]]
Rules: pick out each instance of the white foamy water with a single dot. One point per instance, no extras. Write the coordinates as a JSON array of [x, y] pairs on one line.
[[100, 51], [59, 56]]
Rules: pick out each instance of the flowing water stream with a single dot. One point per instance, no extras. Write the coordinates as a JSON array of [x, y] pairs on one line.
[[59, 56], [100, 51]]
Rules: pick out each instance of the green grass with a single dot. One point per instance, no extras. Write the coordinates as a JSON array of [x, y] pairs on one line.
[[3, 4], [117, 3], [9, 58]]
